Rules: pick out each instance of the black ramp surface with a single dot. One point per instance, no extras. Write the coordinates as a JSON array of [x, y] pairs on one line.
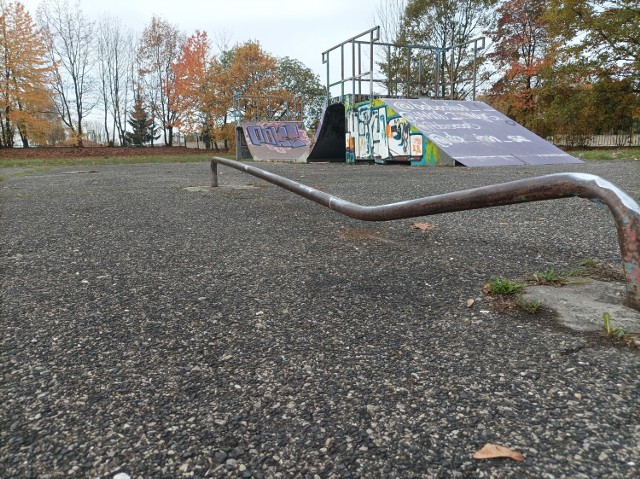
[[330, 140], [474, 134]]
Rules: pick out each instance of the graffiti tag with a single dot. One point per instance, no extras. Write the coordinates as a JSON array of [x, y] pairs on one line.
[[284, 136]]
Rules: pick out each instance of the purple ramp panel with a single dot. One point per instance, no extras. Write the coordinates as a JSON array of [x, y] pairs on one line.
[[277, 140], [474, 134]]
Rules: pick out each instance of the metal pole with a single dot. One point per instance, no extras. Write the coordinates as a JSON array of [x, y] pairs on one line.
[[436, 75], [371, 66], [342, 72], [452, 69], [407, 90], [214, 174], [326, 60], [353, 69], [389, 70], [475, 68], [359, 69], [624, 209]]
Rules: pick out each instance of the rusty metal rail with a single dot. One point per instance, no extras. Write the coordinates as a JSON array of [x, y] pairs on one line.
[[623, 208]]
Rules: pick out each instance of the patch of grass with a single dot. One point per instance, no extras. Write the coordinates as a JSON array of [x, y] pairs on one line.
[[607, 154], [507, 295], [589, 263], [530, 307], [502, 286], [550, 277]]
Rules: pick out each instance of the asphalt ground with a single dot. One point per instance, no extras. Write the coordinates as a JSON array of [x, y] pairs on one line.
[[157, 329]]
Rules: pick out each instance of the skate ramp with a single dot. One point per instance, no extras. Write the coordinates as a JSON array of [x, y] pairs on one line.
[[473, 134], [330, 138], [272, 140]]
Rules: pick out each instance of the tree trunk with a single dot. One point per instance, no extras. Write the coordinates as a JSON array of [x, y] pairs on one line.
[[170, 140]]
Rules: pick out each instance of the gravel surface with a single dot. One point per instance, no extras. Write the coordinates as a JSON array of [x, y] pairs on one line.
[[151, 330]]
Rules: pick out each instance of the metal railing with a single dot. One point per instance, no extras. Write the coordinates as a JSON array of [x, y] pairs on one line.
[[623, 208]]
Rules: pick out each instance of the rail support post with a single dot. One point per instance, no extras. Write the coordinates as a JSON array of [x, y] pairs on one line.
[[214, 174]]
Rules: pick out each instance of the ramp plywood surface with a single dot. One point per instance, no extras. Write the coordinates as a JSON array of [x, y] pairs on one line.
[[474, 134]]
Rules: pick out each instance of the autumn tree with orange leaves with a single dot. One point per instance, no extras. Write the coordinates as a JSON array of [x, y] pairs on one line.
[[158, 51], [247, 72], [189, 96], [25, 99], [252, 75], [522, 47]]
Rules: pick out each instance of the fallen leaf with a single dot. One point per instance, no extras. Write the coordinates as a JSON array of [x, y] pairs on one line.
[[470, 303], [423, 226], [493, 451]]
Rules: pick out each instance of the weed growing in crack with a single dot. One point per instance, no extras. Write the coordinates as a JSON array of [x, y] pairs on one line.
[[503, 286], [589, 263], [608, 328], [550, 277], [508, 295], [530, 307]]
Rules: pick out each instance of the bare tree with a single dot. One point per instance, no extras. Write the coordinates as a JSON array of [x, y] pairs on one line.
[[71, 54], [389, 15], [157, 50], [115, 48], [449, 25]]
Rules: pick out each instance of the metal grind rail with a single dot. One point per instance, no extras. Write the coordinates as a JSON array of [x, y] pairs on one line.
[[623, 208]]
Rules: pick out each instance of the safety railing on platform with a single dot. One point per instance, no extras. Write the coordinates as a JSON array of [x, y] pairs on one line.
[[623, 208]]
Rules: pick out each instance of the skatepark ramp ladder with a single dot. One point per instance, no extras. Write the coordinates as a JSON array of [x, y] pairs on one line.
[[623, 208]]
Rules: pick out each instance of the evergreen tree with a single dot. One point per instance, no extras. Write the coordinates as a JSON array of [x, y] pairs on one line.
[[143, 129]]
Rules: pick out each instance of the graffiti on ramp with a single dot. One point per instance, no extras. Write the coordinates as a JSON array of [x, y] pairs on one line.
[[272, 140]]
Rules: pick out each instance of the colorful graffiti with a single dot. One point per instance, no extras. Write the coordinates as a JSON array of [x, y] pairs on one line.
[[374, 131], [474, 134], [263, 141], [284, 135]]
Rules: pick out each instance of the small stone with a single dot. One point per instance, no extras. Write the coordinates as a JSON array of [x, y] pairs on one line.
[[122, 475], [220, 457], [603, 456], [237, 452]]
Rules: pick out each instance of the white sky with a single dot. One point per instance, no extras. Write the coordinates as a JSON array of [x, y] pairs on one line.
[[300, 29]]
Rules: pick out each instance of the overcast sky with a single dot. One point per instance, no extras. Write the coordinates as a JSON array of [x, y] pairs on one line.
[[300, 29]]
